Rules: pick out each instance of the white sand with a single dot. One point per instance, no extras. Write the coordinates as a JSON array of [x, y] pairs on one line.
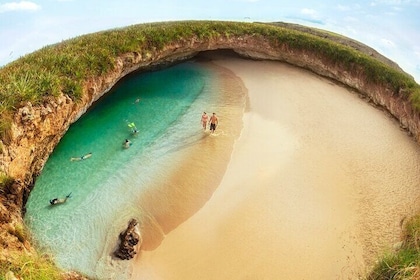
[[316, 187]]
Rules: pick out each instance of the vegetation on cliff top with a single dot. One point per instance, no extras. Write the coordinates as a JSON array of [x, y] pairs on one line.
[[64, 67]]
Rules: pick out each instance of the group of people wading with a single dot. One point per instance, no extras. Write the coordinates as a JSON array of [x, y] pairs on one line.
[[213, 122]]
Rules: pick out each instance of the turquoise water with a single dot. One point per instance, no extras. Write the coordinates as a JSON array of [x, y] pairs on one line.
[[166, 107]]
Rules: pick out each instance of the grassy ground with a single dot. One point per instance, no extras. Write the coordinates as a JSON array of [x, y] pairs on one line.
[[22, 262], [27, 266], [404, 263]]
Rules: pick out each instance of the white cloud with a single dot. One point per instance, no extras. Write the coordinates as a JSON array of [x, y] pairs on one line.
[[387, 43], [309, 12], [19, 6]]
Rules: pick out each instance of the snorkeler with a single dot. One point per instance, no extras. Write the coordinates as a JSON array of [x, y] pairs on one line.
[[133, 128], [81, 158], [56, 201]]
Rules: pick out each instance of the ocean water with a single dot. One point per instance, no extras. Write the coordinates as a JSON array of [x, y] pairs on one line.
[[106, 189]]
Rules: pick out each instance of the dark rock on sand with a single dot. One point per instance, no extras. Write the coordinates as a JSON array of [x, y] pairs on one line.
[[130, 241]]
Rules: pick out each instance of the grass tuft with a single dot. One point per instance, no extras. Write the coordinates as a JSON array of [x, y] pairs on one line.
[[18, 231], [30, 267], [404, 263], [5, 182]]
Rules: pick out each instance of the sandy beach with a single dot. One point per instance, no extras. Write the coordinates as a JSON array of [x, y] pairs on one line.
[[315, 188]]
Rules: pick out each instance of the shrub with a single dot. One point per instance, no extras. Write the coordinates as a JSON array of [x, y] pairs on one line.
[[18, 231], [5, 182]]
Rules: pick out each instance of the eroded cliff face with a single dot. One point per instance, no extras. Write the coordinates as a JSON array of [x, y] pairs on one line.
[[38, 129]]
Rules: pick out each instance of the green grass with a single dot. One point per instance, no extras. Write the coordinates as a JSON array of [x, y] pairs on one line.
[[18, 231], [5, 182], [405, 262], [397, 266], [25, 265], [30, 267]]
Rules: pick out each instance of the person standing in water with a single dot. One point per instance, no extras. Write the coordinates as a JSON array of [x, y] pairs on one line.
[[127, 144], [204, 120], [214, 121]]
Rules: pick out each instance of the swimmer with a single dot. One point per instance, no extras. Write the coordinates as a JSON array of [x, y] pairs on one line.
[[127, 144], [133, 127], [56, 201], [81, 158]]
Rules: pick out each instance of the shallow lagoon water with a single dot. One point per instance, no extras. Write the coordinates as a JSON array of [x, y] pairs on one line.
[[105, 189]]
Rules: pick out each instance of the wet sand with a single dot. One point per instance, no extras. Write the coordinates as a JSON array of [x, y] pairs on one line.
[[316, 187]]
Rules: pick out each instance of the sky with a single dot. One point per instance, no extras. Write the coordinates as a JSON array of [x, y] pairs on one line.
[[392, 27]]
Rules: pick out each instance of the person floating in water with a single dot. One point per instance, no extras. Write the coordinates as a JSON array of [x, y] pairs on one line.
[[133, 128], [204, 120], [56, 201], [127, 144], [214, 121], [81, 158]]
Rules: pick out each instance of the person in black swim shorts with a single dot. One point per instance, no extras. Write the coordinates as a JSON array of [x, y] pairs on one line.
[[214, 121]]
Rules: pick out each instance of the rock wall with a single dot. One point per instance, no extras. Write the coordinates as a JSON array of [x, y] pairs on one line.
[[38, 129]]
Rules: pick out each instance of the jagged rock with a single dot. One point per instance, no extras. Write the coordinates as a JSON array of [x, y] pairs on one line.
[[130, 241]]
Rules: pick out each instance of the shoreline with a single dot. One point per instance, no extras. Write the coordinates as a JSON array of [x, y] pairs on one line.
[[191, 184], [290, 199]]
